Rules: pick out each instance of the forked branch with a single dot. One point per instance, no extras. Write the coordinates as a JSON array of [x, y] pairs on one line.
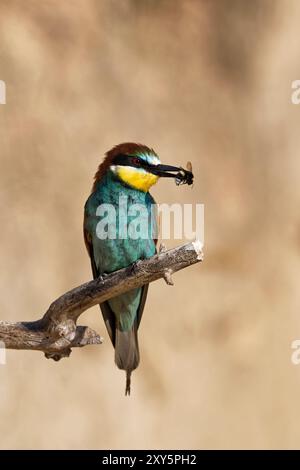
[[56, 333]]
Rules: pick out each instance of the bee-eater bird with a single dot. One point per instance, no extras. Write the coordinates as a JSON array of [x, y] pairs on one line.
[[127, 171]]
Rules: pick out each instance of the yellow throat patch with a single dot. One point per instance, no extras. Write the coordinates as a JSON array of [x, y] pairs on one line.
[[136, 179]]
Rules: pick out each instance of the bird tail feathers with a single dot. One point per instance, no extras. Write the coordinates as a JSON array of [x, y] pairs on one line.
[[127, 356]]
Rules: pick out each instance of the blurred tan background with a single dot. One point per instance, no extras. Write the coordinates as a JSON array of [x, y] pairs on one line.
[[207, 81]]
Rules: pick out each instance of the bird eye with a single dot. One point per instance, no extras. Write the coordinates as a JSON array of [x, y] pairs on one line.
[[136, 161]]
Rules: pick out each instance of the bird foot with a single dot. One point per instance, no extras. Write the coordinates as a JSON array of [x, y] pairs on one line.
[[162, 248], [102, 276], [134, 266]]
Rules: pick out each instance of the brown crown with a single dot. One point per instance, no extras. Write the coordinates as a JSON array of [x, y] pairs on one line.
[[128, 148]]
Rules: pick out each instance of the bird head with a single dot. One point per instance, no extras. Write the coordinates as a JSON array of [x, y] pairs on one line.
[[139, 167]]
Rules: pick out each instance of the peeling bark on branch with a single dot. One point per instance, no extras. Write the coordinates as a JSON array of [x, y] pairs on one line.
[[56, 333]]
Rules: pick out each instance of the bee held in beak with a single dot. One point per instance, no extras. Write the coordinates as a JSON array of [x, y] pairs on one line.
[[181, 175]]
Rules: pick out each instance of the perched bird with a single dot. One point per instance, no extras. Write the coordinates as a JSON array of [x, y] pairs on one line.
[[126, 174]]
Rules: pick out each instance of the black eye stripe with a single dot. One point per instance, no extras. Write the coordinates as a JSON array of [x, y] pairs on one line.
[[129, 160]]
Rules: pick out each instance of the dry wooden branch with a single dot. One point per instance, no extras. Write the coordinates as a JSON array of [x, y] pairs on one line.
[[56, 333]]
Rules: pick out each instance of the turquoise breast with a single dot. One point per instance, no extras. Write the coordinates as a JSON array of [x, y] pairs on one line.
[[121, 222]]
